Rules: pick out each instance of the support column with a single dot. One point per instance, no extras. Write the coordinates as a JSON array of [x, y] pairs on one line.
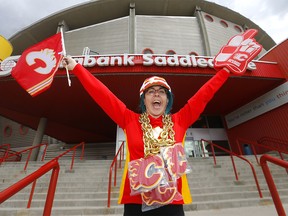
[[38, 138], [132, 29], [206, 44]]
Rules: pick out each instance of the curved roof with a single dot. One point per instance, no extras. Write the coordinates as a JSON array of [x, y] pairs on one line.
[[98, 11]]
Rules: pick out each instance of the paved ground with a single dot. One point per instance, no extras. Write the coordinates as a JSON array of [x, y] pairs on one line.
[[267, 210]]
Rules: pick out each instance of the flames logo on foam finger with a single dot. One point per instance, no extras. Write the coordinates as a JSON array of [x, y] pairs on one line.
[[175, 159], [146, 174], [162, 195]]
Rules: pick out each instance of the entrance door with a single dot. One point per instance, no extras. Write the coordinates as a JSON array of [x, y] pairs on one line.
[[193, 148]]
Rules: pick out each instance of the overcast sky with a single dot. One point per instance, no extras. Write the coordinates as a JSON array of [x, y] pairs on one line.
[[270, 15]]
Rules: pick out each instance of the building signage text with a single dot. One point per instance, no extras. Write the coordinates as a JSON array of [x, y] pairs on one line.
[[129, 60]]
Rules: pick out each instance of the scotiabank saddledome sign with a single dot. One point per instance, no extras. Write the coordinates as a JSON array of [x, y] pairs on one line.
[[130, 60]]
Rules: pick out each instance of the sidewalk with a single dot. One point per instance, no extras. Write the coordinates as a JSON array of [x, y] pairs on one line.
[[266, 210]]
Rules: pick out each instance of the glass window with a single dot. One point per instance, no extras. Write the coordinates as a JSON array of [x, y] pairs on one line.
[[218, 151], [193, 53], [238, 29], [215, 122], [208, 122], [147, 51], [224, 24], [7, 131], [170, 52], [23, 130], [200, 123], [209, 18]]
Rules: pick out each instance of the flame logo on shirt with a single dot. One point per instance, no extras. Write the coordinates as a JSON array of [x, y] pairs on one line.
[[47, 56]]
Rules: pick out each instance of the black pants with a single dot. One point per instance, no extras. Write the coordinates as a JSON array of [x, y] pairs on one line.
[[167, 210]]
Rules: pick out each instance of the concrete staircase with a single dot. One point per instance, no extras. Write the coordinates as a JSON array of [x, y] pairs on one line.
[[99, 151], [215, 187], [83, 191]]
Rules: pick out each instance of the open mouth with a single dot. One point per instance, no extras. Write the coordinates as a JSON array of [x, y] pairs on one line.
[[156, 104]]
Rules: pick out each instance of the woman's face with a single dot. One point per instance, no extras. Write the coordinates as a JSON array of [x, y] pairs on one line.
[[156, 101]]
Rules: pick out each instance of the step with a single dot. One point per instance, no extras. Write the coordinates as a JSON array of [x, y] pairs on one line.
[[83, 191]]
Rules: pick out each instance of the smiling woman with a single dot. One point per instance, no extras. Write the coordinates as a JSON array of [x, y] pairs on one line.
[[148, 133], [156, 130]]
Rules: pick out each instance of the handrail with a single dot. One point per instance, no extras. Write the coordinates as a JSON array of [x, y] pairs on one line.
[[33, 177], [57, 158], [253, 143], [247, 142], [234, 167], [269, 179], [73, 157], [4, 145], [6, 151], [274, 140], [29, 154], [120, 150], [10, 191], [17, 157]]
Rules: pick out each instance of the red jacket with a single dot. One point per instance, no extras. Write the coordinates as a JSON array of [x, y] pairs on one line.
[[129, 122]]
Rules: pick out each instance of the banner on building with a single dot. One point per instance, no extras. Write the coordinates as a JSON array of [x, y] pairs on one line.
[[269, 101]]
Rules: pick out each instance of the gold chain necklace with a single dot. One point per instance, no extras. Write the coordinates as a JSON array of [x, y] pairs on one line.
[[152, 145]]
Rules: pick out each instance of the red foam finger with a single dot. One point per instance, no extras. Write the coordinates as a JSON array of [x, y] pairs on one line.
[[250, 33]]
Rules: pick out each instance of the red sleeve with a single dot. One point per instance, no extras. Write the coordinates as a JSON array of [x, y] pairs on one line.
[[111, 105], [196, 104]]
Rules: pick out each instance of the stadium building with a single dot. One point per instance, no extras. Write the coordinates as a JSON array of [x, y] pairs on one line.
[[124, 42]]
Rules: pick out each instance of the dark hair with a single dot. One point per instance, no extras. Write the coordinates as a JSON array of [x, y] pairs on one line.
[[170, 97]]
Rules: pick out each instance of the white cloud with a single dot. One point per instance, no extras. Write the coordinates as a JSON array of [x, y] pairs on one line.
[[270, 15], [18, 14]]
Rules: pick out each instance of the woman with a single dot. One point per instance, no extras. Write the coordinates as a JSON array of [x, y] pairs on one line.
[[154, 128], [156, 102]]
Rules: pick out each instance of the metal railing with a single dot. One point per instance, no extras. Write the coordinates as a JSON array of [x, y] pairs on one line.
[[17, 158], [15, 188], [233, 163], [269, 179], [10, 191], [57, 158], [74, 151], [4, 148], [120, 153], [240, 140], [29, 150], [272, 141]]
